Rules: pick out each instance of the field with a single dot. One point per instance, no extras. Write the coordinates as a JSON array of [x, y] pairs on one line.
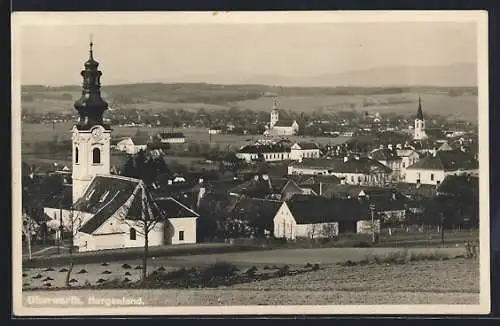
[[452, 281], [163, 97], [32, 133]]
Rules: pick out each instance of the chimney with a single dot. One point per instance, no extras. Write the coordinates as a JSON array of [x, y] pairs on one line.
[[200, 197], [393, 196], [169, 181], [346, 159]]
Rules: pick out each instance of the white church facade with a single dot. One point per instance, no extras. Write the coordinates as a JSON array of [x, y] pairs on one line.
[[279, 127]]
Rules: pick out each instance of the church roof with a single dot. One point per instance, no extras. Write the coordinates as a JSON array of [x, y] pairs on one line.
[[420, 114], [172, 208], [111, 195]]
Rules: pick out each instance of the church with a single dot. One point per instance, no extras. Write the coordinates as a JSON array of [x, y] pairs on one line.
[[111, 211], [283, 127]]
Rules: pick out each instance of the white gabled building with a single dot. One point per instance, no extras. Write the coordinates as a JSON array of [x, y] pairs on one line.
[[128, 146]]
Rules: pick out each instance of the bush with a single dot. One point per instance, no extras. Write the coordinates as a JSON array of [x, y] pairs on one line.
[[219, 270]]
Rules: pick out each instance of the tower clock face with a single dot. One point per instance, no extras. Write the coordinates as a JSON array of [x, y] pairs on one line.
[[97, 133]]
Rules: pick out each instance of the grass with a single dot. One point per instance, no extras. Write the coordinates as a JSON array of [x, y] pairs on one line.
[[454, 281]]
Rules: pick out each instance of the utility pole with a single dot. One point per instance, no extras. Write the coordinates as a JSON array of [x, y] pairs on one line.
[[59, 244], [372, 210], [442, 226]]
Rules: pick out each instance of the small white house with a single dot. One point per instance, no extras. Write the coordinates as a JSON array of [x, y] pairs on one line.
[[127, 145], [298, 151], [314, 217]]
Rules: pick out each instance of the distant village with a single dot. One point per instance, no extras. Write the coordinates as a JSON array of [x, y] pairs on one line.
[[384, 175]]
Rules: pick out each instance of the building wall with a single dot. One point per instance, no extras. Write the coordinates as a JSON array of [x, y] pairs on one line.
[[298, 154], [419, 132], [84, 168], [174, 140], [349, 178], [269, 157], [284, 223], [428, 177], [365, 226], [317, 231], [185, 224], [282, 131]]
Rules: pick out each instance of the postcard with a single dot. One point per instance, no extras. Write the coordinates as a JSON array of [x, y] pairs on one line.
[[250, 163]]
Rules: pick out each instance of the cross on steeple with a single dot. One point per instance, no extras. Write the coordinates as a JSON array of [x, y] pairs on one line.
[[91, 45]]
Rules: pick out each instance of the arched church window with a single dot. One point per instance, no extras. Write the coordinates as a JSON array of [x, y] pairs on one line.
[[96, 156], [76, 155], [133, 234]]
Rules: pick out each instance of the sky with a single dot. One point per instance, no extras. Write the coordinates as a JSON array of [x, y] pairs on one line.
[[54, 55]]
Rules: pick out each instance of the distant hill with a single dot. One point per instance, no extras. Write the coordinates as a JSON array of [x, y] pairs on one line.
[[455, 75]]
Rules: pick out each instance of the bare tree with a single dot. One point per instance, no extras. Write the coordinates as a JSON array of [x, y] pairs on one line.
[[75, 220], [329, 230], [144, 223]]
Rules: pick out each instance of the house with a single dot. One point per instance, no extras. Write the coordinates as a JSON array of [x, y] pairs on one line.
[[172, 137], [128, 146], [182, 221], [317, 217], [408, 158], [110, 214], [259, 213], [298, 151], [351, 170], [388, 157], [268, 153], [432, 169]]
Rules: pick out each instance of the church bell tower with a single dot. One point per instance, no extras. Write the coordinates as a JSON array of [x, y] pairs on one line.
[[91, 137], [419, 123], [274, 114]]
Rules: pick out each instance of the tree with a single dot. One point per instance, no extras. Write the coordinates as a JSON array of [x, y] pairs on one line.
[[146, 166], [75, 223], [330, 230], [148, 219]]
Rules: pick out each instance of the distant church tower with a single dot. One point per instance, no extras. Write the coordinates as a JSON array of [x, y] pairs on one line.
[[91, 137], [274, 114], [419, 123]]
